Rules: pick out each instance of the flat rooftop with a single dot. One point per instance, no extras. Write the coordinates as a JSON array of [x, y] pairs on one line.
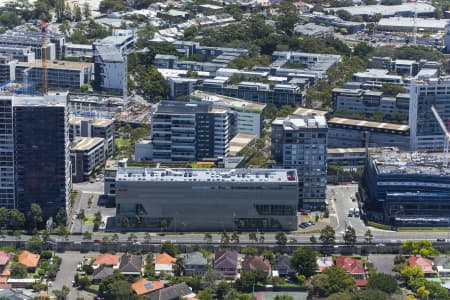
[[295, 122], [353, 150], [207, 175], [49, 100], [85, 143], [371, 124], [180, 107], [391, 161], [239, 142], [96, 122], [302, 111], [57, 64], [235, 103], [387, 10]]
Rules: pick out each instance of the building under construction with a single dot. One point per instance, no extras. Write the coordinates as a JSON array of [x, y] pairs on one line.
[[407, 189]]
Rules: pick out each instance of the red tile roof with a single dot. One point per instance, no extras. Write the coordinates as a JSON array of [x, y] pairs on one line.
[[350, 264], [257, 263], [29, 259], [143, 286], [165, 259], [4, 258], [107, 260], [424, 263]]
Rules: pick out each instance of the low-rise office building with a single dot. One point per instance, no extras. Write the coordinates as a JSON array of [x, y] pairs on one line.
[[407, 189], [93, 127], [86, 154], [180, 199], [351, 133], [351, 101], [245, 116]]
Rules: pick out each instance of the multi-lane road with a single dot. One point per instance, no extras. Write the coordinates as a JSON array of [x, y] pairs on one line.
[[339, 197]]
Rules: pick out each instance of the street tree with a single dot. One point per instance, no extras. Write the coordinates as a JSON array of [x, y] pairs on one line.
[[349, 236], [235, 237], [224, 238], [34, 216], [313, 239], [368, 236], [87, 235], [327, 236], [304, 261], [208, 238], [252, 237], [115, 237], [62, 293], [261, 238], [169, 248], [281, 238]]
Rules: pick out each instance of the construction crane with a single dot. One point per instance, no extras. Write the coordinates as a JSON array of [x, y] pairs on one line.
[[44, 26], [446, 134]]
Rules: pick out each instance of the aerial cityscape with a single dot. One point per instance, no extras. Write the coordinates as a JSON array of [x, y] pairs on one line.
[[225, 150]]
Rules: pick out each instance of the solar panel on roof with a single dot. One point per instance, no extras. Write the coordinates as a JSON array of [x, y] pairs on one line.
[[148, 286]]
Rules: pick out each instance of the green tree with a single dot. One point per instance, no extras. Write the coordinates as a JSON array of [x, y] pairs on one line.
[[190, 32], [18, 271], [115, 287], [368, 236], [60, 5], [383, 282], [86, 10], [62, 293], [35, 244], [313, 239], [281, 238], [392, 89], [169, 248], [108, 6], [349, 236], [252, 237], [410, 274], [332, 280], [77, 13], [87, 235], [83, 282], [371, 294], [235, 237], [179, 267], [327, 235], [208, 238], [362, 49], [224, 238], [250, 278], [288, 17], [283, 297], [34, 216], [61, 217], [145, 34], [303, 260], [344, 15], [249, 251]]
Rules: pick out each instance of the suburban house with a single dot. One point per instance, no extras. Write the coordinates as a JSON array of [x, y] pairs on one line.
[[101, 272], [4, 261], [174, 292], [253, 263], [424, 263], [283, 266], [354, 267], [323, 263], [195, 264], [107, 260], [144, 287], [130, 264], [442, 264], [164, 263], [29, 260], [226, 262]]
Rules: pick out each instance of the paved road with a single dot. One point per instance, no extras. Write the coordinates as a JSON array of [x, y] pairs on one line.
[[67, 273]]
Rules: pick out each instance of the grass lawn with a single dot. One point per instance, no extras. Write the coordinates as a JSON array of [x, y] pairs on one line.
[[89, 220]]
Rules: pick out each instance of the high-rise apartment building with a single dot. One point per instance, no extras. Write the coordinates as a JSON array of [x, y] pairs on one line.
[[425, 132], [35, 164], [188, 132], [300, 142]]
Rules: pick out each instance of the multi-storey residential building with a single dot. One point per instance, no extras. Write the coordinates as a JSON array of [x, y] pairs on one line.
[[407, 189], [86, 154], [245, 116], [35, 160], [300, 142], [110, 69], [19, 53], [426, 134], [244, 199], [188, 132], [369, 102], [90, 127]]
